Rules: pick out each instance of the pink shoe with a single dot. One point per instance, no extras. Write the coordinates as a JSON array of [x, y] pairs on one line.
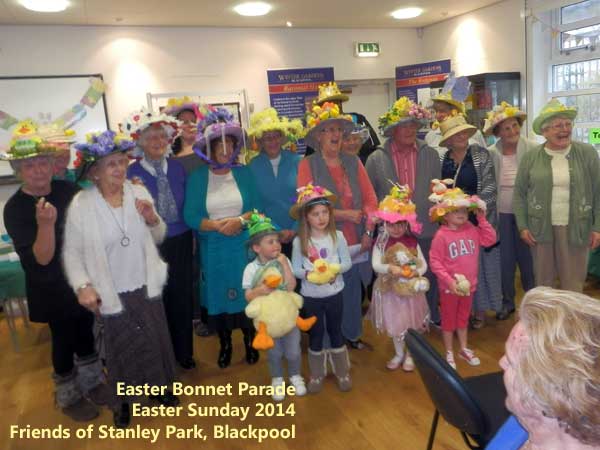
[[469, 357], [395, 362], [450, 359], [408, 365]]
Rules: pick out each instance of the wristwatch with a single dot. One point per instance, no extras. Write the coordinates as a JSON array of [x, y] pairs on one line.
[[368, 233]]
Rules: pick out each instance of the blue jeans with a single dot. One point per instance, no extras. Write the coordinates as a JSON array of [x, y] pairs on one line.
[[352, 314], [287, 346], [328, 311]]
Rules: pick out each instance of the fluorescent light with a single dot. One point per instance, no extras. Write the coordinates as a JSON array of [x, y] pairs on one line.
[[288, 23], [407, 13], [45, 5], [252, 9]]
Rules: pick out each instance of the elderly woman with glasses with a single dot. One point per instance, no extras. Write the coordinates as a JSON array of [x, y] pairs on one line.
[[557, 200]]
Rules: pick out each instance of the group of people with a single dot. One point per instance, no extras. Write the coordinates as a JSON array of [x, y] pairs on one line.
[[112, 262]]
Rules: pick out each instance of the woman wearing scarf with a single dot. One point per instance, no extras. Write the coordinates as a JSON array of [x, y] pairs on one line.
[[219, 198], [165, 180]]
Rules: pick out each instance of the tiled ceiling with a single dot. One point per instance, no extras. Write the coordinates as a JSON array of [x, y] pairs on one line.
[[215, 13]]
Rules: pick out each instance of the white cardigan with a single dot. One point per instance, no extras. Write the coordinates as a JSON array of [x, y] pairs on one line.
[[84, 256]]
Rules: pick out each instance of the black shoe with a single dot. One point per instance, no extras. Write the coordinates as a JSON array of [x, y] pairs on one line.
[[187, 363], [252, 355], [202, 330], [224, 355], [504, 314], [122, 416], [168, 399]]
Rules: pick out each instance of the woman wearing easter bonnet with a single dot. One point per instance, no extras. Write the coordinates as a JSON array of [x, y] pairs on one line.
[[34, 218], [557, 200], [505, 122], [112, 263], [346, 177], [220, 197], [275, 169], [185, 110]]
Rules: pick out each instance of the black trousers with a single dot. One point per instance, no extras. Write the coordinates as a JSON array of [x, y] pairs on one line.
[[177, 293], [71, 335]]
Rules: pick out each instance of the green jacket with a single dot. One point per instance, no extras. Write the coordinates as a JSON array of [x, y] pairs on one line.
[[533, 194]]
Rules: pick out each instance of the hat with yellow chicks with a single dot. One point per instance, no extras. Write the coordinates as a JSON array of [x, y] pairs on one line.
[[30, 139], [398, 207], [447, 199]]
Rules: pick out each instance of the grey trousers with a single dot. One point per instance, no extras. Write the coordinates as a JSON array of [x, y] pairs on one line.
[[287, 346], [433, 293], [560, 258], [513, 252]]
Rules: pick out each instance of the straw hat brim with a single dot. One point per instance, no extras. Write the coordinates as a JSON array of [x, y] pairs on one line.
[[296, 208], [311, 137], [543, 117], [489, 127], [456, 130], [332, 98], [460, 106]]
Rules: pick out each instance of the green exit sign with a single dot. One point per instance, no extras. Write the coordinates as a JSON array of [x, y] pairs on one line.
[[367, 48], [594, 135]]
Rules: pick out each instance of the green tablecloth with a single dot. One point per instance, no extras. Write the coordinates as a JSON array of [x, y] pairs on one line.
[[12, 280], [594, 264]]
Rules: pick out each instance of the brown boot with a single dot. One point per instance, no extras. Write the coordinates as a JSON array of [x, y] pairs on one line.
[[69, 398], [317, 363], [341, 367]]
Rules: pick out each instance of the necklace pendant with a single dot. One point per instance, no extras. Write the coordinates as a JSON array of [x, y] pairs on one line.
[[125, 241]]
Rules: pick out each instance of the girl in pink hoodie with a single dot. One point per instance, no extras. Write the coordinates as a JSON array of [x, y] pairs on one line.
[[454, 259]]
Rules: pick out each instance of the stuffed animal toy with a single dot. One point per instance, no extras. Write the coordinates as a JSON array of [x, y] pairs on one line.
[[410, 283], [463, 286], [274, 315], [323, 272]]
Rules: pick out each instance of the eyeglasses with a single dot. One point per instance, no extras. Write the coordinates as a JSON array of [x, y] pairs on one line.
[[567, 125]]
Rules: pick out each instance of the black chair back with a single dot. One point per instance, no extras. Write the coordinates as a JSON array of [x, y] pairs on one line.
[[447, 390]]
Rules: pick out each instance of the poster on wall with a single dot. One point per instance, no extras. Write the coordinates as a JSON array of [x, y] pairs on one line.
[[291, 91], [409, 79]]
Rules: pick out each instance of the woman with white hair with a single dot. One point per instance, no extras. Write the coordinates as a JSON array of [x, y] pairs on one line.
[[165, 179], [557, 200], [551, 372]]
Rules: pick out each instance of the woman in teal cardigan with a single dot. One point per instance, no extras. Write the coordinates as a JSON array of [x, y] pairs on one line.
[[557, 200], [275, 169], [219, 198]]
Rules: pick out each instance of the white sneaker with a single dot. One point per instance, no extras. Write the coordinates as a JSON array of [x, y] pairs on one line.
[[408, 365], [279, 384], [298, 383], [395, 362], [469, 357], [450, 359]]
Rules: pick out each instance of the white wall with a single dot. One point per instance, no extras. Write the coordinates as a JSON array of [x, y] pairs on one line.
[[136, 60], [490, 39]]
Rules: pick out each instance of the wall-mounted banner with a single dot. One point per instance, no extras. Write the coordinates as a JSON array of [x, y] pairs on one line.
[[409, 79], [291, 91]]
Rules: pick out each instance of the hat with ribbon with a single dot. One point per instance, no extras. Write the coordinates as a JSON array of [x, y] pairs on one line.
[[322, 116], [330, 92], [454, 125], [397, 206], [499, 114], [403, 111], [447, 199], [310, 195], [553, 108]]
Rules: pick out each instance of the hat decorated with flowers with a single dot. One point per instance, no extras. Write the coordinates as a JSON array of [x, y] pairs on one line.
[[176, 105], [259, 225], [30, 139], [397, 206], [447, 199], [268, 120], [550, 110], [499, 114], [403, 111], [310, 195], [320, 116], [361, 131], [454, 92], [454, 125], [97, 145], [217, 123], [330, 92], [138, 121]]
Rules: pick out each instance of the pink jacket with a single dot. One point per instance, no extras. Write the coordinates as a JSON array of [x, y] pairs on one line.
[[457, 251]]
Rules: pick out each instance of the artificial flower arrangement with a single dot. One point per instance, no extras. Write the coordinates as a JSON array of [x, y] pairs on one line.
[[403, 108], [99, 144], [327, 110]]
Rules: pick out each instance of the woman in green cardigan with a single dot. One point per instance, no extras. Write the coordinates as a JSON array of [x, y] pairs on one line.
[[219, 198], [557, 200]]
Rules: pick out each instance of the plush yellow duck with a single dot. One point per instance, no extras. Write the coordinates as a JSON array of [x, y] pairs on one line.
[[323, 272], [276, 314]]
